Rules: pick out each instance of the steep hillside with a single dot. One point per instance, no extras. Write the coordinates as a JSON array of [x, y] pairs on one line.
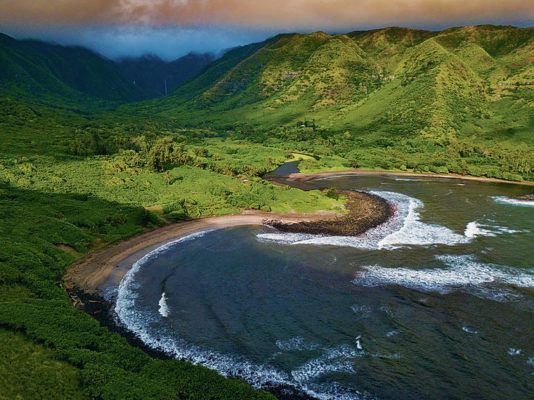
[[40, 72], [389, 80], [154, 77]]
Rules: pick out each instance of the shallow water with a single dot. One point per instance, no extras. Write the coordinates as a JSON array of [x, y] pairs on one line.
[[436, 303]]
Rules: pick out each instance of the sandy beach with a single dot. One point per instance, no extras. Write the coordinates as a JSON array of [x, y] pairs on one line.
[[111, 263]]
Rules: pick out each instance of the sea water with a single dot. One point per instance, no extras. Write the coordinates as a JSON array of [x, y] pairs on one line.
[[438, 302]]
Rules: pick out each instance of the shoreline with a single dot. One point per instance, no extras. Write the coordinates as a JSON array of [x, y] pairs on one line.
[[304, 177], [110, 264], [365, 211], [87, 280]]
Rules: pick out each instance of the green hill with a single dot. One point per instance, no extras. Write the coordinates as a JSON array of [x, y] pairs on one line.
[[36, 71], [80, 169], [459, 100], [357, 80]]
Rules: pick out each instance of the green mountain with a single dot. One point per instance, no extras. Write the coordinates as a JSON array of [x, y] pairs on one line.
[[155, 77], [59, 75], [390, 80], [459, 100], [81, 170]]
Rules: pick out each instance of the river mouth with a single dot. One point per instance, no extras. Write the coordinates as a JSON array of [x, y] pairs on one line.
[[438, 302]]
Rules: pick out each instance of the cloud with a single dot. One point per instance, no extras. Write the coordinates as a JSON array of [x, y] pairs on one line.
[[279, 14], [171, 28], [168, 43]]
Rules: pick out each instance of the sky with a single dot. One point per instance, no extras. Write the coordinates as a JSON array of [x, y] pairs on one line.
[[172, 28]]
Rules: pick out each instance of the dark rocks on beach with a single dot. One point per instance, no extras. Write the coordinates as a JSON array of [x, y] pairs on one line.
[[526, 197], [365, 211]]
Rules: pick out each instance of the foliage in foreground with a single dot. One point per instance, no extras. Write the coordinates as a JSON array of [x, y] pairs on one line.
[[68, 186], [71, 180], [63, 352]]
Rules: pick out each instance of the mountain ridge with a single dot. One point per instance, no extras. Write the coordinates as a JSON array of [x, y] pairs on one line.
[[55, 74], [344, 79]]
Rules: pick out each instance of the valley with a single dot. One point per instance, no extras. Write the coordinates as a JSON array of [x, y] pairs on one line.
[[95, 152]]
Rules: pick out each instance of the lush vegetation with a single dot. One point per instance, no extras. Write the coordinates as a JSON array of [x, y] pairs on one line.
[[74, 77], [77, 173], [62, 352], [460, 100], [70, 184]]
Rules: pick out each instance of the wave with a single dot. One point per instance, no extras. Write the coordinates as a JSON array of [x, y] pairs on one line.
[[404, 228], [150, 328], [513, 202], [412, 180], [475, 228], [296, 344], [470, 330], [163, 306], [514, 352], [462, 272], [315, 368]]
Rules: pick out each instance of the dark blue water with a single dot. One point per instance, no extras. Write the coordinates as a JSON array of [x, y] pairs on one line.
[[437, 303]]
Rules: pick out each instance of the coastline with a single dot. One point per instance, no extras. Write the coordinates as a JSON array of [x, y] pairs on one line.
[[111, 263], [304, 177], [87, 280]]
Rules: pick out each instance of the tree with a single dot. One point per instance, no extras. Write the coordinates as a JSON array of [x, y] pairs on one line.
[[166, 154]]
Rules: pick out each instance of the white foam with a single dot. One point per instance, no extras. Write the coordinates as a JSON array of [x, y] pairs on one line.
[[410, 180], [141, 322], [461, 272], [468, 329], [337, 359], [318, 367], [416, 233], [404, 228], [513, 202], [514, 352], [393, 356], [296, 344], [475, 229], [359, 343], [163, 306]]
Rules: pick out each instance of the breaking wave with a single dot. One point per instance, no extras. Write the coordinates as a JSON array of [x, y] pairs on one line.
[[475, 228], [462, 272], [513, 202], [163, 306], [404, 228], [296, 344]]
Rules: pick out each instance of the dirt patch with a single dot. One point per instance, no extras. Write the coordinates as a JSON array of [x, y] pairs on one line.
[[67, 249]]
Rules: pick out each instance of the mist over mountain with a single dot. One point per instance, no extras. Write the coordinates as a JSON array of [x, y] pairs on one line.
[[53, 73], [155, 77]]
